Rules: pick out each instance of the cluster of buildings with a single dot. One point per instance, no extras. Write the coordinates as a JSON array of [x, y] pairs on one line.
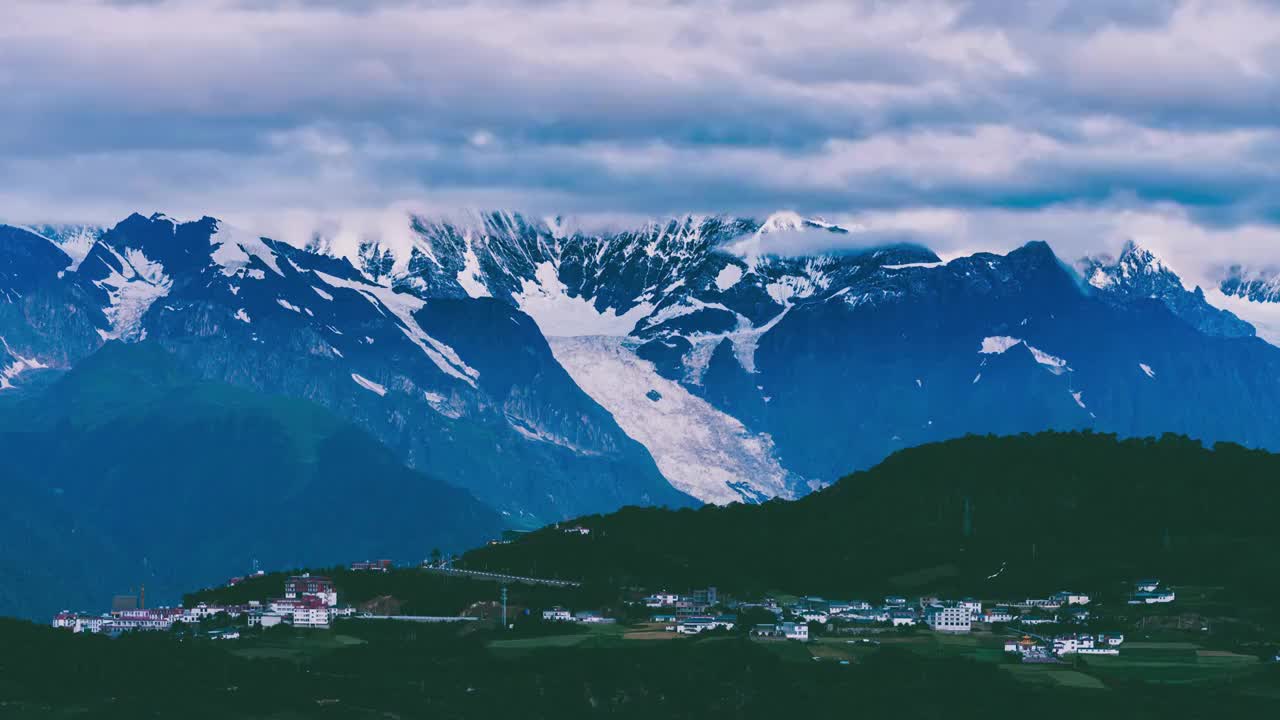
[[788, 630], [1034, 649], [587, 617], [309, 601], [689, 614], [700, 610], [938, 614]]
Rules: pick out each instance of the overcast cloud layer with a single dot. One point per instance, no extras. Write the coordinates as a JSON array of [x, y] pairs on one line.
[[977, 124]]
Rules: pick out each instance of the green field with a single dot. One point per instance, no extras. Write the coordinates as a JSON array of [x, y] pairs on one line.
[[1174, 662], [297, 647], [595, 636]]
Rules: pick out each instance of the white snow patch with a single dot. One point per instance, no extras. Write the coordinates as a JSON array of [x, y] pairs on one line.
[[235, 249], [1077, 395], [19, 365], [728, 276], [76, 241], [1100, 279], [243, 316], [1147, 369], [976, 378], [537, 434], [999, 344], [470, 277], [1055, 364], [559, 315], [403, 306], [323, 294], [130, 293], [699, 449], [780, 292], [368, 384], [288, 305]]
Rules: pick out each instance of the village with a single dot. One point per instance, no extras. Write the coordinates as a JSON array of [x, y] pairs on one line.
[[1046, 629]]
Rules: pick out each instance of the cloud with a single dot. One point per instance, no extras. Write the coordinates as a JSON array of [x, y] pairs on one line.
[[1071, 118]]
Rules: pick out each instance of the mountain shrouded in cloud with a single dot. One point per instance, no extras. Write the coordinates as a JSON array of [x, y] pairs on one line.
[[1085, 124], [554, 371]]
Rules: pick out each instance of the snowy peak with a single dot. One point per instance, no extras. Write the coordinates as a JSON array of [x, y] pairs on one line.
[[790, 221], [1138, 274], [1261, 285], [1136, 266]]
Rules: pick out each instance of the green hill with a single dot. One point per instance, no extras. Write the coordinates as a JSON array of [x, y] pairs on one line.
[[129, 471], [1053, 510]]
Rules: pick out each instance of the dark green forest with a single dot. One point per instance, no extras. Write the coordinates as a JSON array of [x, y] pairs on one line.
[[982, 515]]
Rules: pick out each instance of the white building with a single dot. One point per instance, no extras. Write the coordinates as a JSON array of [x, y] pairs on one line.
[[1071, 598], [1000, 614], [557, 614], [795, 631], [702, 623], [77, 623], [662, 599], [949, 619], [1081, 645], [902, 618], [1150, 597], [265, 620], [311, 613]]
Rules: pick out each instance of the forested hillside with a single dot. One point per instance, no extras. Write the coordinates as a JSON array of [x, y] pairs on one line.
[[127, 471], [1010, 514]]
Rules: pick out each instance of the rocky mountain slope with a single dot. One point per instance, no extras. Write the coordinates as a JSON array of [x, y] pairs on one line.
[[555, 369]]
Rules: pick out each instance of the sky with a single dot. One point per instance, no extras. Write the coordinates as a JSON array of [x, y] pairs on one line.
[[974, 124]]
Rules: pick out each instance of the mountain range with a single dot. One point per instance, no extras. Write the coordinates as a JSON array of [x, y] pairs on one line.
[[551, 370], [555, 371]]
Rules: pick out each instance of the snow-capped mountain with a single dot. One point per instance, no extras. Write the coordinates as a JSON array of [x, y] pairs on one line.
[[465, 390], [1254, 285], [1138, 274], [555, 369]]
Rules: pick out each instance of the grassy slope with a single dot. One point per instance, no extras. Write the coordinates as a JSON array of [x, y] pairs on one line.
[[132, 472]]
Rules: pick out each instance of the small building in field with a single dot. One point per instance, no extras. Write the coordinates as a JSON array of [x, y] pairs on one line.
[[557, 614]]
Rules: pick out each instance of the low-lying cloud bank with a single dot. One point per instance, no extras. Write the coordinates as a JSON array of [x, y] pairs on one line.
[[967, 124]]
